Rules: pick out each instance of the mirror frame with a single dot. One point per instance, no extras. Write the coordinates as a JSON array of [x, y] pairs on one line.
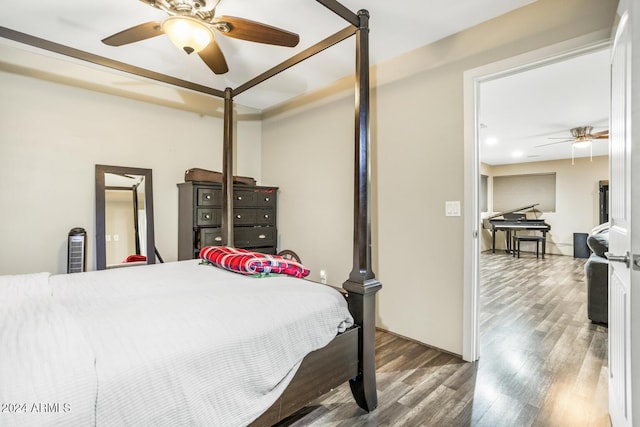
[[101, 248]]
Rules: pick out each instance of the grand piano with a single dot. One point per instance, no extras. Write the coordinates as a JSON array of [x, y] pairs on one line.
[[512, 221]]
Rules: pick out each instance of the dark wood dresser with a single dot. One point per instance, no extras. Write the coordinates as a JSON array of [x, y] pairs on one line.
[[200, 217]]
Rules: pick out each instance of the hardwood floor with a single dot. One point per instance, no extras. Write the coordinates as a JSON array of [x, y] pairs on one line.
[[543, 363]]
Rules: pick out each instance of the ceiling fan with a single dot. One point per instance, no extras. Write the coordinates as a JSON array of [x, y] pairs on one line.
[[190, 26], [582, 137]]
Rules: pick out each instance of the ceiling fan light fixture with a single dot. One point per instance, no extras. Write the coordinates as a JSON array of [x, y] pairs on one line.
[[582, 144], [187, 33]]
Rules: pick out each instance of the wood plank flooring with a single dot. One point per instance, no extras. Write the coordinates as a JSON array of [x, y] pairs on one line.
[[543, 363]]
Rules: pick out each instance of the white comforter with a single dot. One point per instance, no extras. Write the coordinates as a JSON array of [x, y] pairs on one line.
[[170, 344]]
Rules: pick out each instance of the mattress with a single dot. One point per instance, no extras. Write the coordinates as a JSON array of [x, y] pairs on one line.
[[169, 344]]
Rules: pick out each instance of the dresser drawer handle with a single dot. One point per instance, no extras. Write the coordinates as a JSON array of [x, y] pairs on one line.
[[207, 216], [262, 236], [218, 239], [266, 216], [239, 198], [207, 196], [238, 216], [266, 199]]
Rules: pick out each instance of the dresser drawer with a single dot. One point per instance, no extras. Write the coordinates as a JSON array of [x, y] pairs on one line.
[[254, 236], [208, 217], [254, 197], [212, 217], [265, 216], [266, 198], [210, 237], [244, 216], [209, 197], [244, 198], [244, 237], [270, 250]]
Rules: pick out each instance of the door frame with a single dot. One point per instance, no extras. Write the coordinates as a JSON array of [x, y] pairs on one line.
[[472, 79]]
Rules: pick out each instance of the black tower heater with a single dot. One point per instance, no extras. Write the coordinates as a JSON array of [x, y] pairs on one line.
[[77, 250]]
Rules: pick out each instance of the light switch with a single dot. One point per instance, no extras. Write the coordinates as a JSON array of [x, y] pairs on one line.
[[452, 208]]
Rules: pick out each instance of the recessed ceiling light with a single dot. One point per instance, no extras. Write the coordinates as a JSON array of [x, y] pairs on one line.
[[491, 140]]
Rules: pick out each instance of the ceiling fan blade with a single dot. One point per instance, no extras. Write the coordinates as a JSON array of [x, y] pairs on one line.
[[245, 29], [600, 135], [552, 143], [134, 34], [214, 58]]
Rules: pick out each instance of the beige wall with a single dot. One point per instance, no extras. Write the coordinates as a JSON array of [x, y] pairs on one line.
[[417, 129], [577, 194], [313, 169], [53, 135]]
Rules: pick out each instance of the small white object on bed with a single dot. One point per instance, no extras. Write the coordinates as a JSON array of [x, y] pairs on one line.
[[169, 344]]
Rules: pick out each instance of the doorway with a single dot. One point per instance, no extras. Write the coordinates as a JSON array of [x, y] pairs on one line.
[[474, 79]]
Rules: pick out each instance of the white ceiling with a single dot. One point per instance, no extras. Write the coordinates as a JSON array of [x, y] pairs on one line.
[[521, 110], [525, 109], [396, 28]]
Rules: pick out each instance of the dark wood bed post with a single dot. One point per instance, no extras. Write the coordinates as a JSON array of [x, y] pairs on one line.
[[362, 285], [227, 170]]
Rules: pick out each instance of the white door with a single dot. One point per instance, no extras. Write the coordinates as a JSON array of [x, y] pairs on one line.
[[624, 242]]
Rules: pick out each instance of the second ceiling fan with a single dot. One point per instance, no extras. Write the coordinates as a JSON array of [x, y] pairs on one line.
[[191, 24], [581, 137]]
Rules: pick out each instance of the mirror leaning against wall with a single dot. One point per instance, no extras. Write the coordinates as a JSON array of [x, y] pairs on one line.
[[124, 217]]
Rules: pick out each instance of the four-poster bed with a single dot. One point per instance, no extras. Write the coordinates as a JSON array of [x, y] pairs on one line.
[[350, 355]]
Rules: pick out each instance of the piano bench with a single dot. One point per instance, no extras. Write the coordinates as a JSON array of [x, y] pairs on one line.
[[538, 239]]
